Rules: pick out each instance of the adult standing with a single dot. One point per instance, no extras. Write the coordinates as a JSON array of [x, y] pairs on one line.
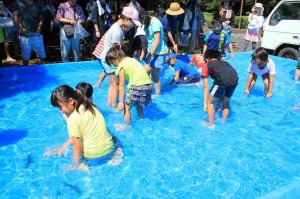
[[197, 30], [69, 13], [113, 36], [28, 14], [157, 48], [171, 24]]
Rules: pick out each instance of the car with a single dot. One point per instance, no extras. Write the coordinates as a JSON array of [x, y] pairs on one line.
[[281, 30]]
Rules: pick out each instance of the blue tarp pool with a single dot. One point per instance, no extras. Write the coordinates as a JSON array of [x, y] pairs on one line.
[[168, 154]]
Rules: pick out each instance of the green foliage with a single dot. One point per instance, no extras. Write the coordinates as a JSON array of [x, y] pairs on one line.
[[244, 22]]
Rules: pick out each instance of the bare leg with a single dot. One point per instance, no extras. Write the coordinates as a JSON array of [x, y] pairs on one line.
[[225, 112], [252, 82], [297, 75], [127, 115], [210, 109], [114, 90], [8, 57], [140, 111], [147, 69], [155, 77], [265, 78]]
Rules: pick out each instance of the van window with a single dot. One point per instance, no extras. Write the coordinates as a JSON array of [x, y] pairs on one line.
[[286, 11]]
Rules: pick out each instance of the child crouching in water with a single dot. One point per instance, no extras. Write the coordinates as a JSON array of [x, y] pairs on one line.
[[139, 83], [225, 81], [86, 128]]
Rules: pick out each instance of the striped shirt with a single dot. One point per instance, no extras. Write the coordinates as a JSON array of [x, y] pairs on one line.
[[114, 35], [66, 11]]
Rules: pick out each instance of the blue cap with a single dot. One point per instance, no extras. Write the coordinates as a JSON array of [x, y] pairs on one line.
[[172, 55]]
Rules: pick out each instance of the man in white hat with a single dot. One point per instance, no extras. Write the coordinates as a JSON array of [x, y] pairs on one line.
[[171, 22], [114, 35]]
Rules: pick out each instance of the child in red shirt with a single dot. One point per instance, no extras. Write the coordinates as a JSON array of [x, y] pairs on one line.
[[197, 59]]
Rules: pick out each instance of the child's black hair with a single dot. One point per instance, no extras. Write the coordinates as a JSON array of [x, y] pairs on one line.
[[260, 53], [85, 88], [114, 52], [197, 50], [212, 54], [144, 17], [64, 92]]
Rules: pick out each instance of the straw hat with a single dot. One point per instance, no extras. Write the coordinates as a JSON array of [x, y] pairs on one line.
[[175, 9]]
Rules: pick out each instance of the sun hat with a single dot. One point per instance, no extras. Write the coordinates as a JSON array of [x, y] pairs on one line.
[[133, 14], [172, 55], [175, 9], [258, 5]]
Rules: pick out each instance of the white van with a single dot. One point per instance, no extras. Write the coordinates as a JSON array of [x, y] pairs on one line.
[[281, 30]]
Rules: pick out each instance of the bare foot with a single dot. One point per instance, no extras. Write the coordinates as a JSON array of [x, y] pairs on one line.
[[117, 157], [154, 96], [208, 124], [9, 59]]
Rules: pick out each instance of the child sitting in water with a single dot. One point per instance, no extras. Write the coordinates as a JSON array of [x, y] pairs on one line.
[[197, 59], [86, 127], [139, 83], [225, 81], [184, 73], [262, 66]]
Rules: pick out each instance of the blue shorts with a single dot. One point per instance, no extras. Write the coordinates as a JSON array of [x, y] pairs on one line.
[[109, 69], [157, 61], [32, 42], [220, 91]]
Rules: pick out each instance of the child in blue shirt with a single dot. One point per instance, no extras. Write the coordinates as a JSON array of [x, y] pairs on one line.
[[184, 73]]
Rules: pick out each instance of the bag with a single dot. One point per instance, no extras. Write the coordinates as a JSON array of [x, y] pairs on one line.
[[69, 30], [6, 22]]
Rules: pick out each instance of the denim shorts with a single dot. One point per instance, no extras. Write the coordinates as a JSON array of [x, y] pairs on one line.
[[109, 69], [32, 42]]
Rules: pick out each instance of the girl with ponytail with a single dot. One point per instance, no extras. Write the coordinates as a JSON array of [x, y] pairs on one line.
[[86, 126]]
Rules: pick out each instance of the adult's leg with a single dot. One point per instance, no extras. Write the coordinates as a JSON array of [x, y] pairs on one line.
[[64, 48], [75, 42], [192, 44], [1, 54], [156, 80], [6, 49]]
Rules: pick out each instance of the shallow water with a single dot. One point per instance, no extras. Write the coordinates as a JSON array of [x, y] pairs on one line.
[[168, 154]]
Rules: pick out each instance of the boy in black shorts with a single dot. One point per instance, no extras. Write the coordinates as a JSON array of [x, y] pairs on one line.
[[225, 81]]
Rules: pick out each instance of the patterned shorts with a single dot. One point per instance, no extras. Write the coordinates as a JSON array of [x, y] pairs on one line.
[[139, 95]]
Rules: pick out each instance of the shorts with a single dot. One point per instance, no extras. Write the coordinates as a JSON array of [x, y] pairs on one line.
[[32, 42], [11, 34], [157, 61], [139, 95], [109, 69], [220, 91]]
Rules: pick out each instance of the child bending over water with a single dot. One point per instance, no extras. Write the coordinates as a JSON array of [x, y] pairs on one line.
[[139, 83]]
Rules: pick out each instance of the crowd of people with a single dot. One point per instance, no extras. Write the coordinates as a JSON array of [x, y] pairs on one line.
[[156, 40]]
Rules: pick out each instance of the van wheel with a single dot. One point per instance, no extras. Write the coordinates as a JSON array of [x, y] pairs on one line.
[[288, 53]]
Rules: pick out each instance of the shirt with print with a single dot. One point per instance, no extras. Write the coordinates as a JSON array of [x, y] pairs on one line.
[[217, 41], [65, 10], [29, 14], [185, 69], [92, 130], [135, 73], [156, 26], [222, 73], [270, 68], [114, 35]]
